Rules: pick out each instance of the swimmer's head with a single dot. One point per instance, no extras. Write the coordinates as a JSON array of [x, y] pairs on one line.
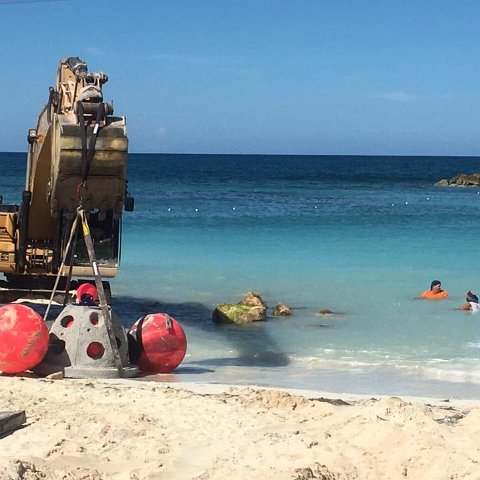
[[471, 297], [436, 285]]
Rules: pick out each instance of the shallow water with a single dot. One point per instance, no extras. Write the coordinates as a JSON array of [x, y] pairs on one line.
[[361, 236]]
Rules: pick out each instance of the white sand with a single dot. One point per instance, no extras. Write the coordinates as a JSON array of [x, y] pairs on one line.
[[130, 429]]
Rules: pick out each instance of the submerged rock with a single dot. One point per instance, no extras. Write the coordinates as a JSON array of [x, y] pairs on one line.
[[239, 313], [461, 180], [281, 310]]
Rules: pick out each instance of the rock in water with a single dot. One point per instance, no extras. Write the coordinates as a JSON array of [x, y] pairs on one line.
[[239, 313], [251, 309], [461, 180], [281, 310], [253, 299]]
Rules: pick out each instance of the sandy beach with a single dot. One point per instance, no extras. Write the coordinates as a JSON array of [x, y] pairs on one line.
[[131, 429]]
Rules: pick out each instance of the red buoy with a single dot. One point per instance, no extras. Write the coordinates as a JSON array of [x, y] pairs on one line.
[[161, 341], [86, 289], [23, 338]]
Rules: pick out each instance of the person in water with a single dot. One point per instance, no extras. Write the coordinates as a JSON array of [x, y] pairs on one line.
[[472, 302], [435, 292]]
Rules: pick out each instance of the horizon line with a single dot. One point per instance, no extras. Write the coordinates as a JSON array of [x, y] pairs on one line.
[[287, 154]]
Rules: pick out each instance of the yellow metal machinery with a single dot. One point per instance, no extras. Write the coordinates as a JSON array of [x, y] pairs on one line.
[[77, 157]]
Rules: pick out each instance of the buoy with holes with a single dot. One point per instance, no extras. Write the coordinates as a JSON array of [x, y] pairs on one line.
[[23, 338], [157, 343]]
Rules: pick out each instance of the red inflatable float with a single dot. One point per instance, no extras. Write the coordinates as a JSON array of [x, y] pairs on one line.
[[86, 291], [160, 342], [23, 338]]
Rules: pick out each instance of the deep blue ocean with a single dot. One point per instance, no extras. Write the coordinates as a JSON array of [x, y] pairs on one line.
[[361, 236]]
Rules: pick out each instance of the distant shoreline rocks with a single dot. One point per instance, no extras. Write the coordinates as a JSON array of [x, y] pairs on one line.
[[461, 180]]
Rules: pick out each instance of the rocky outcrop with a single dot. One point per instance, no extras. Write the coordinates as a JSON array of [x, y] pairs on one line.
[[251, 309], [253, 299], [281, 310], [238, 314], [461, 180]]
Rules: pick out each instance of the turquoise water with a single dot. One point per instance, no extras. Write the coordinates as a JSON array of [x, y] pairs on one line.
[[361, 236]]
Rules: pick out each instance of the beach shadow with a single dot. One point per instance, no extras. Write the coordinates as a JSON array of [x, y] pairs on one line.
[[12, 431], [182, 370], [255, 346], [264, 359], [174, 376]]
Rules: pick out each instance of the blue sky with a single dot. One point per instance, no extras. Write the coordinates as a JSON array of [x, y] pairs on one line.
[[258, 76]]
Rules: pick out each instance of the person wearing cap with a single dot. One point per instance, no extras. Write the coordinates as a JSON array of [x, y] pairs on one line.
[[472, 302], [435, 292]]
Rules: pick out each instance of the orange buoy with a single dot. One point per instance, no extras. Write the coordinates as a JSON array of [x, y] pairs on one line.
[[160, 342], [23, 338], [430, 295]]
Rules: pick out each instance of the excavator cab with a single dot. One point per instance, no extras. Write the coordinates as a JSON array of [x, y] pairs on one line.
[[77, 157]]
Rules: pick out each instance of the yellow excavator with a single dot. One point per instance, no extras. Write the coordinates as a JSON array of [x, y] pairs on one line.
[[77, 157]]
